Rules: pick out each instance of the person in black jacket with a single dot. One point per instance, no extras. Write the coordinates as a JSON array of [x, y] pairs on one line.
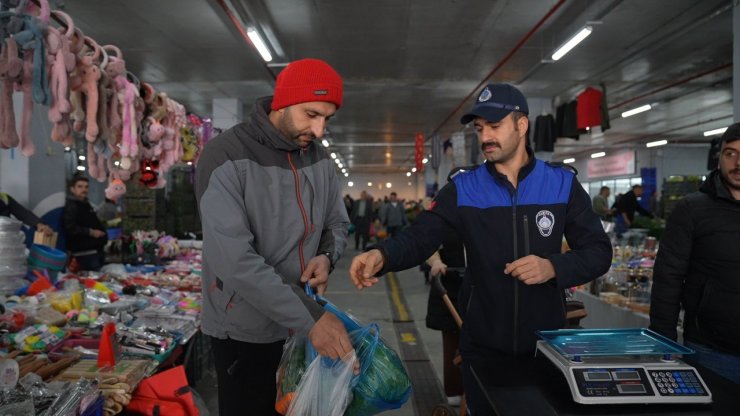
[[697, 267], [83, 230], [448, 264], [626, 207], [512, 213], [9, 206], [362, 216]]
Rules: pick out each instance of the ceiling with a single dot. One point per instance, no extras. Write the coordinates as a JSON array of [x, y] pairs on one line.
[[413, 65]]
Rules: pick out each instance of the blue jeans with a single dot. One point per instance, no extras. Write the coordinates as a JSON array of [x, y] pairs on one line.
[[726, 365]]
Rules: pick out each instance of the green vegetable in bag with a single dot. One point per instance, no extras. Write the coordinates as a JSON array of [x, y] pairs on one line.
[[383, 383]]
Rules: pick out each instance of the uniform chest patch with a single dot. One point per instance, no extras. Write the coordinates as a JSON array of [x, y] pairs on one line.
[[545, 221]]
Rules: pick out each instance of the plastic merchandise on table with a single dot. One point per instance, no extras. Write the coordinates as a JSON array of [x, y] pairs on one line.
[[37, 337], [325, 388]]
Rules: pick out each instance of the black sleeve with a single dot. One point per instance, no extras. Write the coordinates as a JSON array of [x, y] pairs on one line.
[[416, 243], [69, 220], [22, 213], [642, 210], [591, 251], [671, 267]]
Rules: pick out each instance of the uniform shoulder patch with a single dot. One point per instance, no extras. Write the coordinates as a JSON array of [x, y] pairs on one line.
[[563, 166], [460, 169]]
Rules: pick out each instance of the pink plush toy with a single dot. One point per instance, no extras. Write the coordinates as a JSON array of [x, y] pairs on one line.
[[127, 93], [11, 69], [95, 163], [156, 130], [62, 62], [28, 148], [115, 189], [89, 74]]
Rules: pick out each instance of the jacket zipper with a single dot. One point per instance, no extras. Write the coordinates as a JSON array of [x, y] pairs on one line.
[[303, 211], [516, 281]]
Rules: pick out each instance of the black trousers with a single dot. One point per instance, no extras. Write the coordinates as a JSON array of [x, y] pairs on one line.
[[362, 232], [246, 376]]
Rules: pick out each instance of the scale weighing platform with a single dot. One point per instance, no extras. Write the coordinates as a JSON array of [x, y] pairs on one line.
[[635, 365]]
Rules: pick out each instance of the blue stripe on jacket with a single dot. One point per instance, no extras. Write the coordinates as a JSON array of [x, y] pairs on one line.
[[545, 185]]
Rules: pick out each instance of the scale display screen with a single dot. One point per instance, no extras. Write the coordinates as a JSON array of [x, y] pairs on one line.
[[626, 375], [597, 376], [631, 388]]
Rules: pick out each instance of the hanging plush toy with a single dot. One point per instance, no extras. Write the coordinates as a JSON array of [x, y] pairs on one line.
[[11, 70], [189, 144], [115, 190], [149, 175]]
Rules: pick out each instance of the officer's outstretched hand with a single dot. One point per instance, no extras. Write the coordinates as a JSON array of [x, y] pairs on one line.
[[364, 267], [531, 270], [330, 338]]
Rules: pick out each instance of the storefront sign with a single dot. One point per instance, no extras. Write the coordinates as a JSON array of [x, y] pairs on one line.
[[616, 165]]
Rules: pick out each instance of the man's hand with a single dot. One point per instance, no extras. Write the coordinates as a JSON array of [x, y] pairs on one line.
[[438, 268], [330, 338], [96, 233], [364, 267], [44, 229], [317, 273], [531, 269]]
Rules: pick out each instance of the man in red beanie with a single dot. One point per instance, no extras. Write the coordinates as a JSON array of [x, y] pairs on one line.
[[273, 221]]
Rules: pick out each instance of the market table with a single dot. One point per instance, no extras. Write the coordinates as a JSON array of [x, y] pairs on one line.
[[541, 389]]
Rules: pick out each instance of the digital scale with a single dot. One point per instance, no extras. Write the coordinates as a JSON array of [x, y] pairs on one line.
[[635, 365]]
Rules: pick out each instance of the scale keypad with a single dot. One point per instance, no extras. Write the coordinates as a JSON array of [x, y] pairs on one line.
[[677, 383]]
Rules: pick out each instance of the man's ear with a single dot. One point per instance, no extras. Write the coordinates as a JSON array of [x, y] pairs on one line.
[[523, 124]]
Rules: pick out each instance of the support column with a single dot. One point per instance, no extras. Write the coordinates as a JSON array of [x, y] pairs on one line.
[[227, 112], [735, 58]]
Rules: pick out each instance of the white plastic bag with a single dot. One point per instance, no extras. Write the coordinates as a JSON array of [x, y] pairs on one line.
[[324, 389]]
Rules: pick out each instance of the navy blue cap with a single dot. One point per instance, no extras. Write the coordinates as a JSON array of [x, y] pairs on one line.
[[495, 102], [731, 134]]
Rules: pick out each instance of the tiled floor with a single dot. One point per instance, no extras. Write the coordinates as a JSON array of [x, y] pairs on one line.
[[371, 305]]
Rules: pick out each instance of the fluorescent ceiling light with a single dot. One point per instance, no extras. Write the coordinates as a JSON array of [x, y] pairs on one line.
[[715, 131], [346, 174], [424, 161], [340, 165], [350, 184], [337, 161], [569, 160], [413, 170], [81, 157], [408, 173], [637, 110], [388, 184], [344, 170], [325, 142], [369, 184], [259, 44], [81, 168], [657, 143], [571, 43], [333, 155], [598, 155]]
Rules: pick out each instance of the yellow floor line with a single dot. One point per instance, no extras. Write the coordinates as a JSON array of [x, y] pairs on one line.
[[403, 314]]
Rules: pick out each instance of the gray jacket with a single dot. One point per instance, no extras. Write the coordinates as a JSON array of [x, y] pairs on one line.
[[267, 207]]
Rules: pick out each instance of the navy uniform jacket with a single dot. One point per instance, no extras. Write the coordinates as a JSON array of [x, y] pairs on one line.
[[498, 225]]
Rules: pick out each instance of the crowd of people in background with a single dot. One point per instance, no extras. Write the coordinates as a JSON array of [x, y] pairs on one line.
[[374, 219]]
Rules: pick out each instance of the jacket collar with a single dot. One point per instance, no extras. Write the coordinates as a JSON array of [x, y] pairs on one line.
[[523, 172], [714, 186], [263, 130]]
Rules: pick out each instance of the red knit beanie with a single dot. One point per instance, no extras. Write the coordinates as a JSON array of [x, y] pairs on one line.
[[307, 80]]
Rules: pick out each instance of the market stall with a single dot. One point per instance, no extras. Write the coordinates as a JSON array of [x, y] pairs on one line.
[[86, 340]]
